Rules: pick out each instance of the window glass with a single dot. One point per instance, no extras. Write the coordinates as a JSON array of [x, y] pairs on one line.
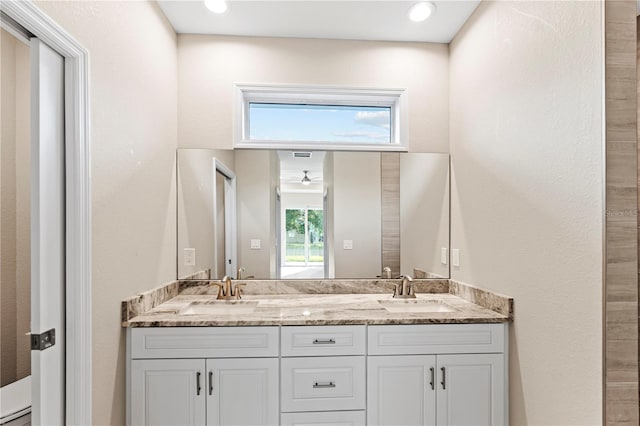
[[319, 123]]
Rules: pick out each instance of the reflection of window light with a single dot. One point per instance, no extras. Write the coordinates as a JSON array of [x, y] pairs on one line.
[[312, 117]]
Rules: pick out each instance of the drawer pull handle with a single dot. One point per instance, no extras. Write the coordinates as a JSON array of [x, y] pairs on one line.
[[198, 387], [210, 382], [318, 385], [432, 379], [324, 342], [443, 377]]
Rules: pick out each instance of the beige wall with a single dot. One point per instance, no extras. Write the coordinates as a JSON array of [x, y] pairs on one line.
[[527, 205], [210, 65], [196, 177], [255, 211], [424, 212], [356, 214], [15, 278], [133, 78]]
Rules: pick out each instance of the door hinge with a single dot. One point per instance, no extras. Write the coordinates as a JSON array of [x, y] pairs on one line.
[[42, 341]]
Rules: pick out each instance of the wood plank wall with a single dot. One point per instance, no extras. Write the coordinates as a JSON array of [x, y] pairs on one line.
[[621, 220], [390, 184]]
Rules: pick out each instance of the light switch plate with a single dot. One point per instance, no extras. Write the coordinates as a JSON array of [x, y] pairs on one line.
[[443, 255], [347, 244], [255, 244], [455, 257], [189, 257]]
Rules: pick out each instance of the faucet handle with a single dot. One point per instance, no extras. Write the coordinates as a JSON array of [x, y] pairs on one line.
[[237, 292], [219, 287], [386, 272], [239, 273], [396, 288]]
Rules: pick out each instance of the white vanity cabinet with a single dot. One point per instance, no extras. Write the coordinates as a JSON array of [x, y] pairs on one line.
[[345, 375], [203, 376], [323, 375], [437, 375]]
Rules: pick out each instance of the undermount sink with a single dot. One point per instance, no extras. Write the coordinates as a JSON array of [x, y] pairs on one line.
[[415, 305], [219, 307]]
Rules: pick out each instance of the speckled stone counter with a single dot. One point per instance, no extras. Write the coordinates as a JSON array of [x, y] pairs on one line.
[[168, 306]]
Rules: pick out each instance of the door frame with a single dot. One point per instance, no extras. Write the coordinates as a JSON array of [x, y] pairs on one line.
[[78, 204], [230, 224]]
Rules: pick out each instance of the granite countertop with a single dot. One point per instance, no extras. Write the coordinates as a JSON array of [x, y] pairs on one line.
[[315, 309]]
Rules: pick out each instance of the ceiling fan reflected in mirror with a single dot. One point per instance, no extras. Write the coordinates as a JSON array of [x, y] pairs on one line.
[[306, 180]]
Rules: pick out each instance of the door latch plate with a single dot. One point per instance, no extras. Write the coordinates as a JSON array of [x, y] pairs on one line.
[[42, 341]]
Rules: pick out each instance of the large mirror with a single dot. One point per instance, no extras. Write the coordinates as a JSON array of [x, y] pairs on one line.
[[269, 214]]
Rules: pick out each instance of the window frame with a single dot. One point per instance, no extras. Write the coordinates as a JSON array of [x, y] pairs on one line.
[[396, 99]]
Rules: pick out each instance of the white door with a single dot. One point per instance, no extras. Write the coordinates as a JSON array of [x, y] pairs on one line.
[[401, 390], [242, 392], [47, 232], [168, 392], [472, 390]]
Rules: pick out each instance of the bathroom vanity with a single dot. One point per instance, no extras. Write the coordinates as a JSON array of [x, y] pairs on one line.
[[321, 359]]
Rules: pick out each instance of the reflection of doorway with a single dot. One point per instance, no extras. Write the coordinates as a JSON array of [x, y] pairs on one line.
[[301, 219], [224, 221], [220, 233], [304, 243]]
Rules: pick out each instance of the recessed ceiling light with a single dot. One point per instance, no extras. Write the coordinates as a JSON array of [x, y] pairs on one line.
[[421, 11], [216, 6]]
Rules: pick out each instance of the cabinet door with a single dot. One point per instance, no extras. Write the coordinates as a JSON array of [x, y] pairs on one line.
[[472, 390], [168, 392], [401, 390], [242, 392]]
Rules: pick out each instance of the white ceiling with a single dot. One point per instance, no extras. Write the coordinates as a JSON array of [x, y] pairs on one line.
[[292, 171], [385, 20]]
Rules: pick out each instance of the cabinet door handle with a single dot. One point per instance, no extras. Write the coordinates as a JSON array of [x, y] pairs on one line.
[[198, 387], [210, 382], [432, 380], [319, 385], [324, 342], [443, 382]]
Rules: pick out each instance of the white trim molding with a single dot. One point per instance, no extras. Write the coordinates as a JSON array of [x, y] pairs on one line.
[[78, 203], [396, 99], [230, 223]]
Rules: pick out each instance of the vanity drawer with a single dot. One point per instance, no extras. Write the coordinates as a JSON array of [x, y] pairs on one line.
[[436, 339], [323, 340], [328, 418], [323, 384], [204, 342]]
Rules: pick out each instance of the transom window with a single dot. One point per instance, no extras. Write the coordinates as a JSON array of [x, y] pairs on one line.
[[320, 118]]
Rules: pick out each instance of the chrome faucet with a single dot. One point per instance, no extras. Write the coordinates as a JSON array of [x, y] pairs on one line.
[[227, 290], [405, 289]]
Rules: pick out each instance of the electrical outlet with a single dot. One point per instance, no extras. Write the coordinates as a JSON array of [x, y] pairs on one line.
[[347, 244], [189, 257], [255, 244], [455, 257], [443, 256]]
